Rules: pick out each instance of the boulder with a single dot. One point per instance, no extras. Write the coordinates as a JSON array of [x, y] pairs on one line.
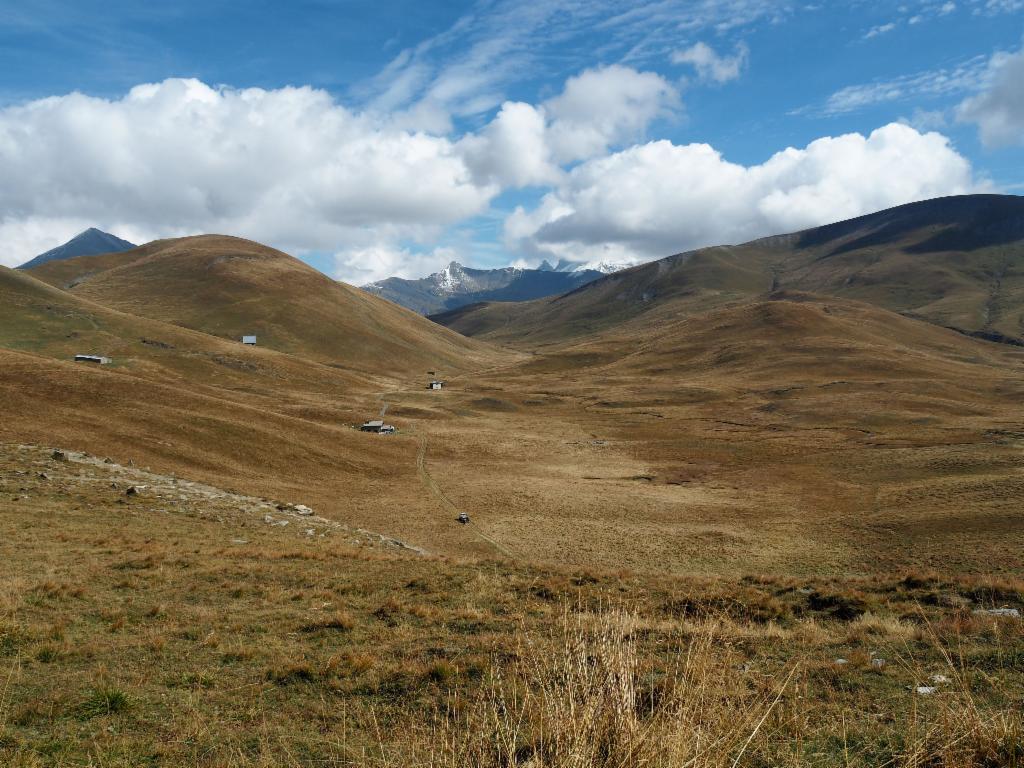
[[1012, 613]]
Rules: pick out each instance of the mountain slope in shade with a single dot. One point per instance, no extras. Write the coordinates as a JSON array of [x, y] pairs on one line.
[[88, 243], [456, 285], [955, 261], [230, 287]]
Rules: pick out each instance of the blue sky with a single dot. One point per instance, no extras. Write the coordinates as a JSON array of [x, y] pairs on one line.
[[378, 143]]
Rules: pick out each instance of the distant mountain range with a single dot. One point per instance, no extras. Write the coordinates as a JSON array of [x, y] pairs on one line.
[[458, 286], [88, 243]]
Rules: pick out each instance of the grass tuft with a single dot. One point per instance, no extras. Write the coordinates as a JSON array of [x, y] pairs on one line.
[[103, 701]]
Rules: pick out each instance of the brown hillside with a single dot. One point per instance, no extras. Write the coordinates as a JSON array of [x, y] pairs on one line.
[[228, 287], [38, 318]]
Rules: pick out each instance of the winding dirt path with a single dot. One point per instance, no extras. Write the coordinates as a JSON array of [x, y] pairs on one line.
[[434, 488]]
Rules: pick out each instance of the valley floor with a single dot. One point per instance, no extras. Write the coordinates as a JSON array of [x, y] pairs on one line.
[[781, 533], [183, 625]]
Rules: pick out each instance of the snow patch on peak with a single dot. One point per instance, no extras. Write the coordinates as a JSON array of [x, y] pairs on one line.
[[450, 278], [605, 266]]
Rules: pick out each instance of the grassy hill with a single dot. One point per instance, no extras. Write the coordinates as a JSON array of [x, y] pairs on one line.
[[36, 317], [956, 261], [188, 403], [229, 287]]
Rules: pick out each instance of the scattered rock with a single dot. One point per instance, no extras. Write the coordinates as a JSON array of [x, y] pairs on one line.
[[311, 532], [925, 690], [43, 476], [59, 456], [108, 460], [295, 509], [878, 663], [841, 662], [131, 491], [1012, 613], [938, 679]]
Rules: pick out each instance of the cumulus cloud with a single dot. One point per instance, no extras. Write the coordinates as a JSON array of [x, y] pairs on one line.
[[295, 169], [660, 198], [291, 167], [597, 109], [710, 66], [513, 148], [998, 110], [377, 261], [604, 107]]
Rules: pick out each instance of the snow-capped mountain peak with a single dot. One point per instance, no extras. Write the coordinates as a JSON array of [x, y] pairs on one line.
[[449, 279], [457, 285]]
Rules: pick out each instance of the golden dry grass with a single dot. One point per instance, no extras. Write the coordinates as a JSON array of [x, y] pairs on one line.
[[746, 537], [228, 287], [183, 628]]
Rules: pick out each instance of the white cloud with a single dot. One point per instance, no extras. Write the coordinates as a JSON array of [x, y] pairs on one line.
[[997, 7], [604, 107], [710, 66], [465, 69], [927, 120], [377, 261], [881, 29], [599, 108], [296, 169], [998, 110], [659, 198], [512, 149], [961, 78], [290, 167]]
